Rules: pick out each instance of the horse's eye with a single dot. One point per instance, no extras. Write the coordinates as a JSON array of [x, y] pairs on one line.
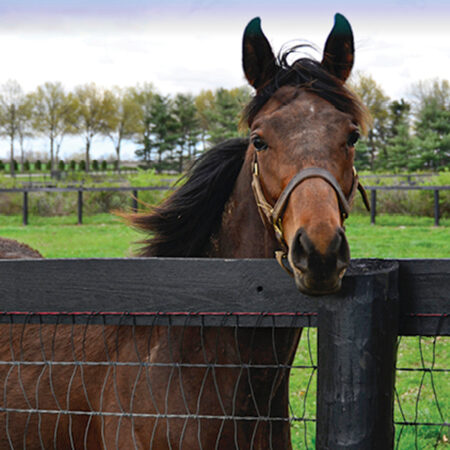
[[259, 143], [353, 138]]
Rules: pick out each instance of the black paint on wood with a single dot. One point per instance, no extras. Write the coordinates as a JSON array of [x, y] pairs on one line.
[[80, 207], [373, 206], [25, 208], [356, 360], [436, 208], [424, 287], [193, 285], [135, 201], [155, 285]]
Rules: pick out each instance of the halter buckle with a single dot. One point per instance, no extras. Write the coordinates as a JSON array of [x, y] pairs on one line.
[[278, 228]]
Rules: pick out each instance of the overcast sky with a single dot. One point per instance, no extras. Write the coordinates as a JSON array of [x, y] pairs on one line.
[[188, 46]]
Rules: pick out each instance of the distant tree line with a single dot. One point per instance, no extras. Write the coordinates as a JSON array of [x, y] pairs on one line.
[[405, 136], [169, 131]]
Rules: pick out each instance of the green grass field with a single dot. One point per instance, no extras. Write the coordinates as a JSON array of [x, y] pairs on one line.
[[392, 237], [104, 236]]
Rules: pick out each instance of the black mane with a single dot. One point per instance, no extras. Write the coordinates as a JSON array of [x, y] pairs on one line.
[[183, 223]]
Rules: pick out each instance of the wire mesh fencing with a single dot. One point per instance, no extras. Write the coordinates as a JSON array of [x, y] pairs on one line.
[[74, 379], [82, 383], [422, 407]]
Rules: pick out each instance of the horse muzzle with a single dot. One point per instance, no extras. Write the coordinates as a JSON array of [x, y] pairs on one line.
[[317, 273]]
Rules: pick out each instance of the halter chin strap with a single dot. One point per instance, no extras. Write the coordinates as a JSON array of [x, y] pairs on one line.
[[273, 215]]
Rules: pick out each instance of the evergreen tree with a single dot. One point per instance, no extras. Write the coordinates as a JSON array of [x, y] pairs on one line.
[[433, 136], [400, 144], [143, 97], [164, 129], [187, 129], [225, 114]]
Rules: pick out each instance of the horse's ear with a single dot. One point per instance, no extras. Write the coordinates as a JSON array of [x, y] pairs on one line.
[[257, 56], [339, 50]]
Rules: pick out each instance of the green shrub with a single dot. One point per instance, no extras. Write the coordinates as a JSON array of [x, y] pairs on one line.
[[82, 165], [95, 165], [104, 165], [48, 165], [16, 166], [38, 165], [26, 166], [411, 202], [145, 178], [2, 165], [73, 165], [61, 165]]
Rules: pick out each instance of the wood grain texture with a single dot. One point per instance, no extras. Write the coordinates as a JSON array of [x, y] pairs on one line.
[[144, 285]]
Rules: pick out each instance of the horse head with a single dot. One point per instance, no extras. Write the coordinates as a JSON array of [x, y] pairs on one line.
[[304, 124]]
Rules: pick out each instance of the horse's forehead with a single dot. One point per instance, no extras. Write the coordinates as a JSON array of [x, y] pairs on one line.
[[293, 105]]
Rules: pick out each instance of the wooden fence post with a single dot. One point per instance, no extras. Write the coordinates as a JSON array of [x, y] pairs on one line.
[[80, 207], [25, 208], [357, 352], [135, 201], [437, 212], [373, 206]]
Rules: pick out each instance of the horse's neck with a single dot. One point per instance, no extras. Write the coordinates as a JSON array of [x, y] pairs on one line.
[[242, 233]]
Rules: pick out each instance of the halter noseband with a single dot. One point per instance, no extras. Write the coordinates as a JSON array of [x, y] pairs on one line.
[[273, 215]]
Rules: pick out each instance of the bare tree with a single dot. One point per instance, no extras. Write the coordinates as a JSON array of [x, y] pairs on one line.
[[123, 122], [53, 115], [24, 124], [12, 101], [95, 108]]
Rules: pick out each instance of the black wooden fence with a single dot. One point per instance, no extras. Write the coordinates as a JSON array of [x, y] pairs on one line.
[[357, 328], [135, 190], [435, 189], [79, 191]]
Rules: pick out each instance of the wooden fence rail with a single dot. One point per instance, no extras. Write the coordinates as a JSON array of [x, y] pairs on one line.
[[373, 197], [358, 327], [79, 190]]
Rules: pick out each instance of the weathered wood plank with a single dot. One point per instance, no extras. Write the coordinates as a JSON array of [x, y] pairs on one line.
[[151, 285], [205, 285], [424, 286]]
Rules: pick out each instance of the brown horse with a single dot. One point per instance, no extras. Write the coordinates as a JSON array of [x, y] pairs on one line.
[[285, 190], [11, 249]]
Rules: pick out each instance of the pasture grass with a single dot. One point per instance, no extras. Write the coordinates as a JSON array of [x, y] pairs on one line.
[[105, 236], [100, 236], [422, 396]]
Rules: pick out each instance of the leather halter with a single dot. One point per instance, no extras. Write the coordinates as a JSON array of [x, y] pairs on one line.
[[273, 215]]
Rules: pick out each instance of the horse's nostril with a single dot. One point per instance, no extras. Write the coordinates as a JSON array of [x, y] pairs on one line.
[[299, 251], [343, 252]]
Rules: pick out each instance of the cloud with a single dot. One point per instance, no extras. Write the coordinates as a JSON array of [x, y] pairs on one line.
[[190, 46]]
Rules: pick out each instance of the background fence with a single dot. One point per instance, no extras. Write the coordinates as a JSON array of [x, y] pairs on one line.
[[135, 191], [68, 308], [435, 189]]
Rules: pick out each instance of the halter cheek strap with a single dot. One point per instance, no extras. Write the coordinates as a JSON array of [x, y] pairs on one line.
[[273, 215]]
